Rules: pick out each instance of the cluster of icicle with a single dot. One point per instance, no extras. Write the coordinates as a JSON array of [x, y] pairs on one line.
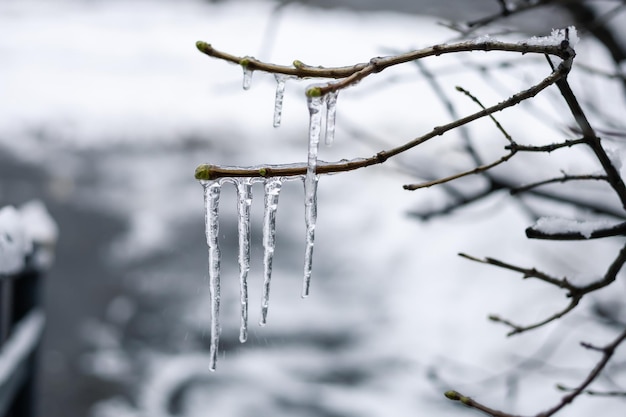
[[272, 187]]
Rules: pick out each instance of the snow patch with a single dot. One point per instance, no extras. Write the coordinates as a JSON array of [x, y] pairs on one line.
[[556, 37], [553, 225], [19, 230]]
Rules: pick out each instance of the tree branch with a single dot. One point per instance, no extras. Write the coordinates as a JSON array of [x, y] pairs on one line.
[[617, 230], [575, 292], [607, 353], [350, 75], [211, 172], [562, 179]]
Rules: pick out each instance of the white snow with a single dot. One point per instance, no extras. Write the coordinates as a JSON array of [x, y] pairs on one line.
[[555, 38], [554, 225], [19, 229], [14, 242], [38, 225]]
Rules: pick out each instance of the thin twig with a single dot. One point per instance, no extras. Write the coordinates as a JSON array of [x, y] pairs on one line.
[[594, 392], [562, 179], [575, 292], [545, 148], [473, 171]]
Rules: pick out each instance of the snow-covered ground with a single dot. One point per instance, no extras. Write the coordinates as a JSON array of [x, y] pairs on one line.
[[112, 101]]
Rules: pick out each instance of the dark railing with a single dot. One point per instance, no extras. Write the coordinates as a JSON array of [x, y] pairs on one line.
[[21, 326]]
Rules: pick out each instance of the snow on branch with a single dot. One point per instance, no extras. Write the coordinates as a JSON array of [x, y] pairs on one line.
[[553, 228]]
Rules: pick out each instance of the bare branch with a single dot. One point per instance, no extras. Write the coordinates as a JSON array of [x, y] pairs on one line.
[[455, 396], [545, 148], [607, 353], [517, 329], [594, 392], [592, 140], [527, 272], [576, 292], [564, 178], [474, 171]]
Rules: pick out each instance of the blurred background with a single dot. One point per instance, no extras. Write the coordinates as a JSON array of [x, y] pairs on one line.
[[106, 108]]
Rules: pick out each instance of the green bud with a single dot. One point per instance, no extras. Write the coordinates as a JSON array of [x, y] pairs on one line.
[[202, 46], [203, 172], [263, 172], [314, 92], [452, 395]]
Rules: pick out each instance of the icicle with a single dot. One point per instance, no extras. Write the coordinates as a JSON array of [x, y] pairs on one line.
[[244, 201], [247, 77], [315, 105], [310, 216], [331, 113], [272, 190], [278, 102], [211, 204]]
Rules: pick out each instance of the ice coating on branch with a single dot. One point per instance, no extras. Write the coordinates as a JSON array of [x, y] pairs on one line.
[[331, 113], [315, 105], [247, 77], [281, 81], [272, 191], [211, 203], [554, 225], [244, 201], [556, 37]]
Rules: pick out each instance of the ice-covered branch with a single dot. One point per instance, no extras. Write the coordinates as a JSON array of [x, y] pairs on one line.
[[211, 172], [349, 75]]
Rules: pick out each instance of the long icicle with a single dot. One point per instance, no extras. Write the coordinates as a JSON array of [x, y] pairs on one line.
[[281, 80], [331, 114], [315, 105], [211, 204], [244, 201], [272, 191]]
